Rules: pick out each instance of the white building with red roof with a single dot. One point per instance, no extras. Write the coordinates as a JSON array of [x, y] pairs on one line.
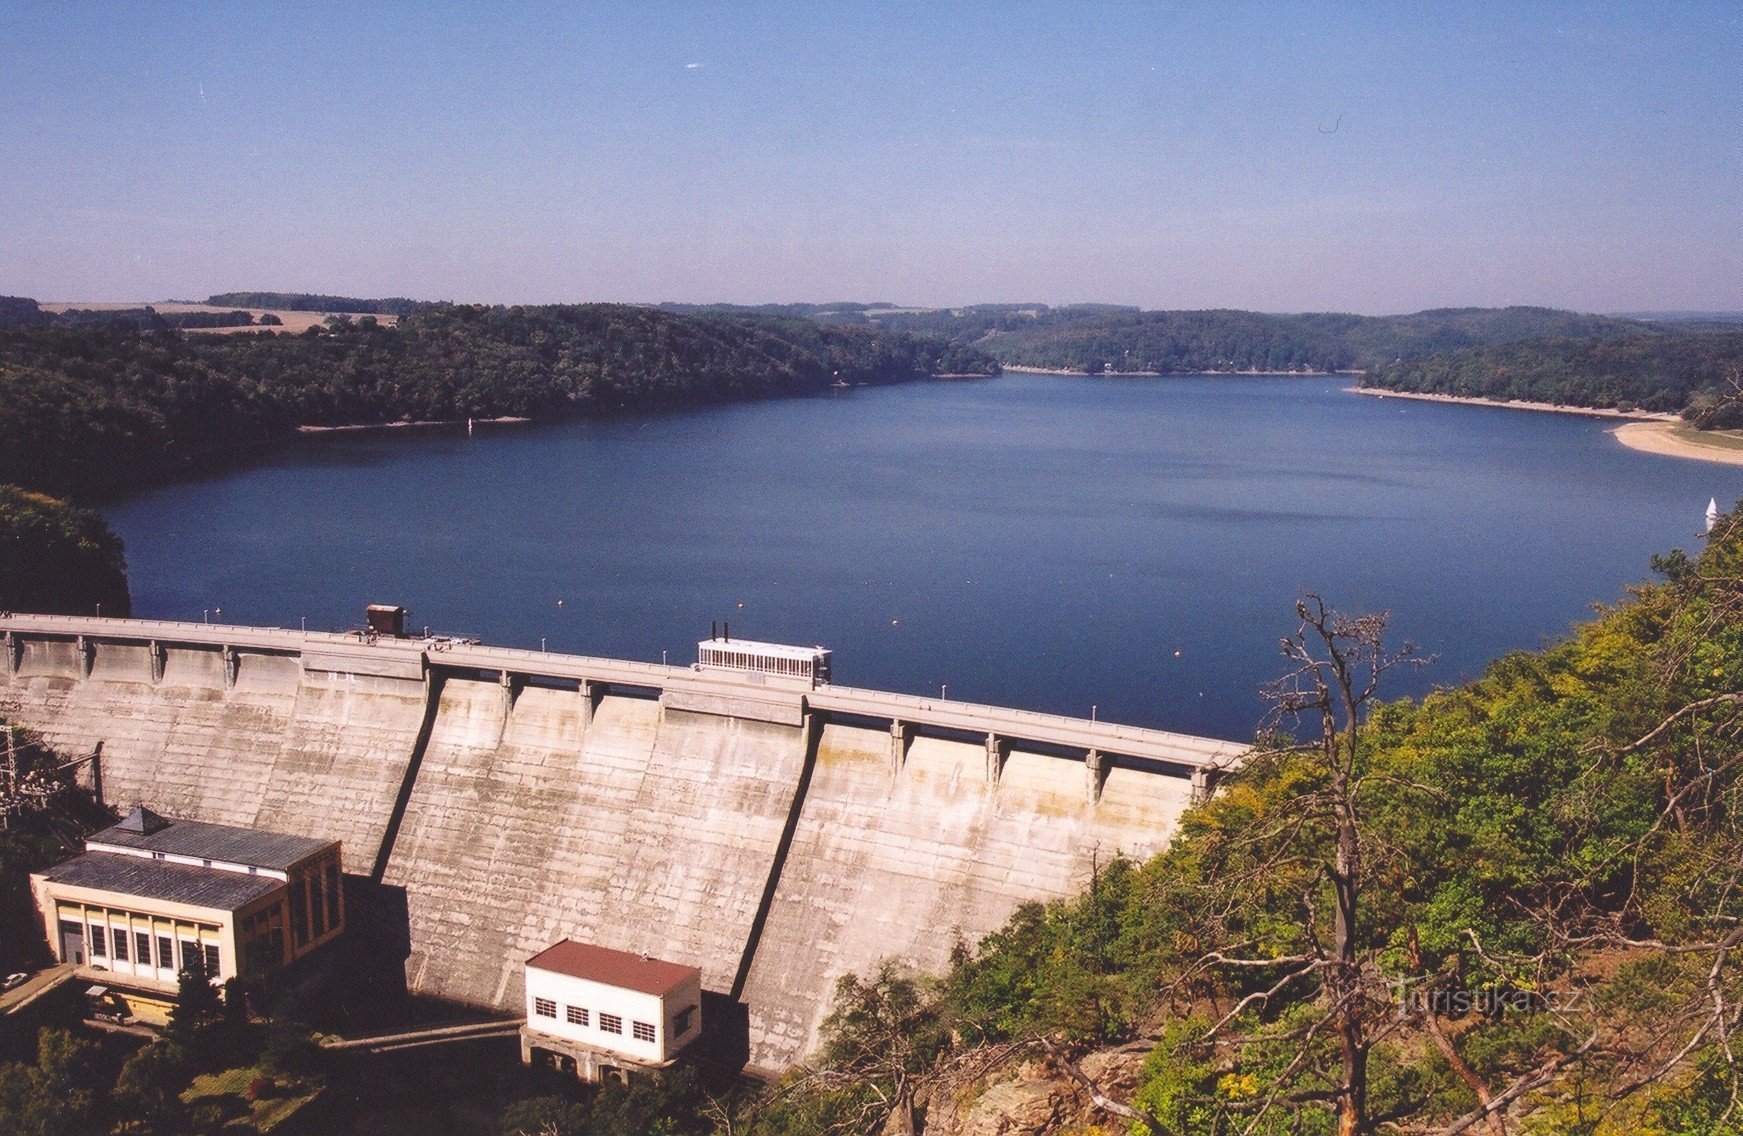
[[603, 1009]]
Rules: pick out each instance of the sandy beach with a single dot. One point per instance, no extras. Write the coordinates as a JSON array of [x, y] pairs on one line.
[[1549, 407], [1680, 442], [419, 424]]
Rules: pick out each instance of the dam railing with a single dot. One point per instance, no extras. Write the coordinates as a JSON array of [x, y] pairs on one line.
[[681, 687]]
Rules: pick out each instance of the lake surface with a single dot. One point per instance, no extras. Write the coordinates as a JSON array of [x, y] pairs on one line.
[[1043, 542]]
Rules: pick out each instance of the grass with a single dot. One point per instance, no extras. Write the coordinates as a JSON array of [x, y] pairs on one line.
[[261, 1115], [1719, 439]]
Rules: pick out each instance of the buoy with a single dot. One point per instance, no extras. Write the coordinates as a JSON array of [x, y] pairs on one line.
[[1177, 654], [560, 604], [893, 622]]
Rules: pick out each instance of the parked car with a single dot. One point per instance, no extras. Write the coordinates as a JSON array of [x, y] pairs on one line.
[[14, 981]]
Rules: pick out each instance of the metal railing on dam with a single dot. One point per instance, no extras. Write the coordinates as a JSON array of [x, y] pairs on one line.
[[777, 699], [495, 801]]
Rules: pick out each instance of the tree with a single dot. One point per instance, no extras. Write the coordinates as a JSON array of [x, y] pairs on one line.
[[53, 1096], [149, 1089], [198, 1006], [56, 557]]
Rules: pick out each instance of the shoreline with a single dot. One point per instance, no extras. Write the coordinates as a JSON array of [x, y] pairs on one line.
[[1021, 369], [1668, 440], [1540, 407], [420, 424]]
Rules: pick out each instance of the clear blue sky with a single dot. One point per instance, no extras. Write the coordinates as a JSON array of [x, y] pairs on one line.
[[1283, 158]]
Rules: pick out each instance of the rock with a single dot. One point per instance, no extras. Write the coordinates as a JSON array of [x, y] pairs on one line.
[[1115, 1071], [1016, 1108]]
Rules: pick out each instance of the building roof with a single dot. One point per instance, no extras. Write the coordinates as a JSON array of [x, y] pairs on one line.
[[156, 879], [614, 968], [251, 846]]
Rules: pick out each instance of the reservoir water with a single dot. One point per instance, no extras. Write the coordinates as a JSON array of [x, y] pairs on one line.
[[1044, 542]]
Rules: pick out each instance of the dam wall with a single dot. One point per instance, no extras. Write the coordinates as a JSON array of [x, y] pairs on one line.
[[774, 834]]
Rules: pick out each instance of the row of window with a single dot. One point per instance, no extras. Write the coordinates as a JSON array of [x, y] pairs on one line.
[[579, 1015], [144, 948], [315, 898], [772, 664]]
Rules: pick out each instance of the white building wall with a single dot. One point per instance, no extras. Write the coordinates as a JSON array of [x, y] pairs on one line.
[[598, 998]]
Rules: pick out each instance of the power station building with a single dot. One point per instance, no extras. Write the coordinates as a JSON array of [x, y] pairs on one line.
[[602, 1010], [151, 893]]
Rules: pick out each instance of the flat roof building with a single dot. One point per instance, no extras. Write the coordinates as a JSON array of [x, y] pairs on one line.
[[604, 1010], [151, 892]]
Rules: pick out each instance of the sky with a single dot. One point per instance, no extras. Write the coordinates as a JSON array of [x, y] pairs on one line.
[[1273, 157]]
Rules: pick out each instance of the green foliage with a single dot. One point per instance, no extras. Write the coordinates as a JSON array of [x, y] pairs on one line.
[[90, 409], [149, 1090], [56, 557], [55, 1096], [669, 1105], [1097, 338], [1669, 371], [198, 1007], [307, 302], [290, 1047]]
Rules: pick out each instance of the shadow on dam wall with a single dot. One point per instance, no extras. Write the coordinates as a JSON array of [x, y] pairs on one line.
[[776, 836]]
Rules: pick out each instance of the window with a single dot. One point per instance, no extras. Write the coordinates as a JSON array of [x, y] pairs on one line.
[[120, 945], [299, 907], [318, 905], [190, 951], [686, 1017], [142, 940], [610, 1023], [157, 855], [577, 1016], [333, 886], [166, 959], [545, 1007], [211, 950], [643, 1031], [99, 942]]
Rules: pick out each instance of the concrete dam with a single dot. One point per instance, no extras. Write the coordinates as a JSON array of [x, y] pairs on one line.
[[775, 833]]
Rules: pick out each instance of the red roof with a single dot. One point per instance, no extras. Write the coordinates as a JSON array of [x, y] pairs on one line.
[[614, 968]]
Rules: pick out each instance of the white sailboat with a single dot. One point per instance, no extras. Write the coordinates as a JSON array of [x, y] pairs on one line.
[[1712, 513]]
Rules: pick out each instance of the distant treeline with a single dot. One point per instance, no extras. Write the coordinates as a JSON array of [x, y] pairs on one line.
[[88, 409], [1692, 372], [310, 302], [1093, 338], [18, 311]]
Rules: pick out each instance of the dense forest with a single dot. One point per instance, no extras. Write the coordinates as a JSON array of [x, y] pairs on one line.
[[85, 409], [1093, 338], [310, 302], [1668, 372]]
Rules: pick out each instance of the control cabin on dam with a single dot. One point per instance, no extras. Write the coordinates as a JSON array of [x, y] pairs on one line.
[[779, 660]]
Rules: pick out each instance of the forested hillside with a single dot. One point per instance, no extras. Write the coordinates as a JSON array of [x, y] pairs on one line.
[[1650, 372], [1095, 338], [85, 409], [1514, 907], [311, 302]]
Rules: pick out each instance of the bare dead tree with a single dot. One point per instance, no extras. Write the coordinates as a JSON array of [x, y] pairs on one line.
[[1337, 663]]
